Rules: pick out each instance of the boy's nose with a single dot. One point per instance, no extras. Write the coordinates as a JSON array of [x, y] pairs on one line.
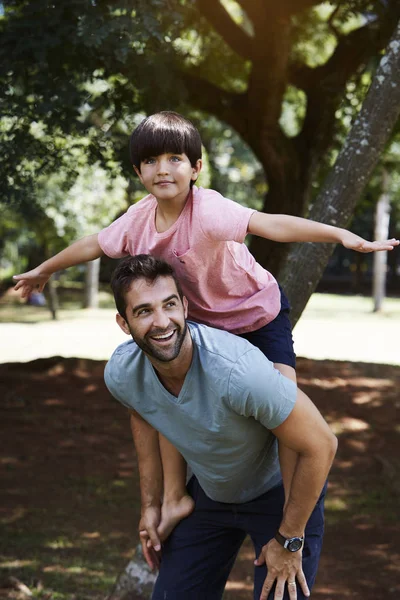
[[162, 167]]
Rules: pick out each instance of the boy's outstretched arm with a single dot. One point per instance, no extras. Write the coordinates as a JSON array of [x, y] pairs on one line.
[[80, 251], [286, 228]]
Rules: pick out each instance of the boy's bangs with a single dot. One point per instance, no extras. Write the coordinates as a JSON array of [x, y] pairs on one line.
[[156, 142], [163, 133]]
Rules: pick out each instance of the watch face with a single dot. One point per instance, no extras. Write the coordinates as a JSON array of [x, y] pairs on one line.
[[295, 544]]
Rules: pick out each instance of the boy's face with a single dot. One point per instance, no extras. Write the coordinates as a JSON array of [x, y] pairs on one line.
[[168, 176]]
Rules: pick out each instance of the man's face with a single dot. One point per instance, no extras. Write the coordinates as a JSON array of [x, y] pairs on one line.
[[155, 318]]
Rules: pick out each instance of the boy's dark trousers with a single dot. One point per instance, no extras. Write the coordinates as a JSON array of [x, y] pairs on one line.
[[199, 554]]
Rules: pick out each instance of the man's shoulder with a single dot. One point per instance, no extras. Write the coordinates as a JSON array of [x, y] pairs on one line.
[[122, 360], [219, 344]]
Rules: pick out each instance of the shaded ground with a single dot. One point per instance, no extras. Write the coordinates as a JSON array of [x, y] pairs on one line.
[[69, 499]]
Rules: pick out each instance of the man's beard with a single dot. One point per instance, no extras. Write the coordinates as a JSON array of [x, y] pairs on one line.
[[161, 354]]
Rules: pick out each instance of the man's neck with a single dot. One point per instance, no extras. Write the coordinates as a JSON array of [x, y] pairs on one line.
[[172, 374]]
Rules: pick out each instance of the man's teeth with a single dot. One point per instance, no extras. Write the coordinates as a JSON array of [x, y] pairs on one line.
[[164, 336]]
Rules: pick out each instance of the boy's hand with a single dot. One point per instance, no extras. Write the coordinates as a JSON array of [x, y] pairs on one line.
[[354, 242], [31, 280]]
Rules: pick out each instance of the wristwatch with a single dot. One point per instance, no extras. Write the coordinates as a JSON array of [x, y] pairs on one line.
[[293, 544]]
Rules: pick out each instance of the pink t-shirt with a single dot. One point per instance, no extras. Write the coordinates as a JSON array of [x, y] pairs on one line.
[[225, 287]]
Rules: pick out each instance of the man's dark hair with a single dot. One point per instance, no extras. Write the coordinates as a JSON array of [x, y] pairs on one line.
[[162, 133], [132, 268]]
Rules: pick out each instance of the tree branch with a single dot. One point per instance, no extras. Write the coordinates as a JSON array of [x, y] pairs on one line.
[[226, 106], [351, 172], [222, 22], [325, 86]]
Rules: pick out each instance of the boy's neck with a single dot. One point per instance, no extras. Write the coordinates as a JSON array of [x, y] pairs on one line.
[[168, 212]]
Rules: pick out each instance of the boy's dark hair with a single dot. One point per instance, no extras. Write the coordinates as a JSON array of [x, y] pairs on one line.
[[164, 132], [132, 268]]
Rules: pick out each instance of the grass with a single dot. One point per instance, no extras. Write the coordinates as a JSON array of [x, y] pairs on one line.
[[74, 557], [321, 306], [335, 307]]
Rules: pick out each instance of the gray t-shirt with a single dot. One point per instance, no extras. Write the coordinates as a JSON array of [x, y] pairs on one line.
[[220, 422]]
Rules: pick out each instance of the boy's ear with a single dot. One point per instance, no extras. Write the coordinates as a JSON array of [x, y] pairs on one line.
[[122, 323], [138, 173], [196, 169]]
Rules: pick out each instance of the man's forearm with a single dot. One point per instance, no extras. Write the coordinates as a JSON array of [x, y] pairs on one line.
[[149, 462], [308, 480]]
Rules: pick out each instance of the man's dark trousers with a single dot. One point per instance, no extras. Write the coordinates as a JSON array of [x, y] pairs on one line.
[[199, 554]]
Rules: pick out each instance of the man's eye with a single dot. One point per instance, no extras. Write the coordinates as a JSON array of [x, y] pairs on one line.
[[143, 311], [171, 304]]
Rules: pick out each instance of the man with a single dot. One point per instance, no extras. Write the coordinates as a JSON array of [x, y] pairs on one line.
[[223, 405]]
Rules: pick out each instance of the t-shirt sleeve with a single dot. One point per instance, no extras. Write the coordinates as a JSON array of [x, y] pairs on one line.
[[112, 385], [221, 219], [258, 390], [113, 239]]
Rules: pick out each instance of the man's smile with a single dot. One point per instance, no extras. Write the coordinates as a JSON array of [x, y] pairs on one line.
[[163, 337]]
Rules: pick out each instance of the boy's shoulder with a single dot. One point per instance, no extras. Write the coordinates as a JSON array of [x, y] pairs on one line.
[[201, 194], [144, 204]]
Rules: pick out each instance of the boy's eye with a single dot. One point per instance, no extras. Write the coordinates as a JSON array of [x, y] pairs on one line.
[[176, 158], [149, 161]]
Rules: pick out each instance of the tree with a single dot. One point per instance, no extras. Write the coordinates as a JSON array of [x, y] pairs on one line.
[[382, 218], [354, 166], [87, 67]]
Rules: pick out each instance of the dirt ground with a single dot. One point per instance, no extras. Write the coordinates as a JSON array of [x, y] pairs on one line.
[[70, 503]]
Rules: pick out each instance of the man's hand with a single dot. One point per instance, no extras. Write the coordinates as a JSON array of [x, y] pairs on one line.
[[151, 544], [31, 280], [357, 243], [284, 567]]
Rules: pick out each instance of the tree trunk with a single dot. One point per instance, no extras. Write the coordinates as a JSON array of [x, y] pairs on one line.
[[382, 219], [336, 201], [135, 582], [92, 284], [52, 298]]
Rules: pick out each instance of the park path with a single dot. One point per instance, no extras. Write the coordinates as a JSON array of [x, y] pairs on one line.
[[94, 334]]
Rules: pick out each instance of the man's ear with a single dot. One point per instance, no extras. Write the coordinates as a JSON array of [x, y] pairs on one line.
[[196, 169], [123, 324], [138, 173], [185, 306]]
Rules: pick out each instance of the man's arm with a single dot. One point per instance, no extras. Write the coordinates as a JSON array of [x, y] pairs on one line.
[[81, 251], [147, 446], [285, 228], [307, 433]]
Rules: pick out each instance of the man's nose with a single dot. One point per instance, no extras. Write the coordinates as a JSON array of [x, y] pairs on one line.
[[160, 319]]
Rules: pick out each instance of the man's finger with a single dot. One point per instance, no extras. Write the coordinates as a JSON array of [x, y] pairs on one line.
[[267, 587], [303, 582], [155, 540], [148, 555], [292, 589], [260, 560]]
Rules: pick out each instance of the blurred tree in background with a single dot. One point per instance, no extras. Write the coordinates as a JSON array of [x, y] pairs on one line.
[[273, 87]]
